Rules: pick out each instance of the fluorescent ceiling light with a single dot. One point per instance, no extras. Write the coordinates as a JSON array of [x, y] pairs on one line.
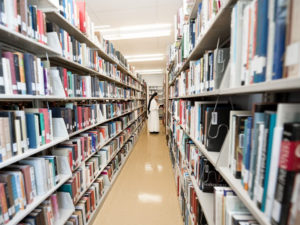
[[140, 31], [101, 27], [151, 71], [142, 58], [145, 59], [138, 35]]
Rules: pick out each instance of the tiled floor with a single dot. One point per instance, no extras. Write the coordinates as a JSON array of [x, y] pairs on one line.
[[144, 193]]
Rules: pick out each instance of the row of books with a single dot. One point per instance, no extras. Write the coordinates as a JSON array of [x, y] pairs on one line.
[[263, 155], [77, 15], [81, 147], [190, 30], [21, 183], [228, 208], [260, 142], [33, 127], [24, 130], [88, 203], [24, 73], [78, 117], [87, 56], [84, 174], [204, 74], [88, 172], [47, 213], [206, 122], [25, 18], [262, 41], [76, 85]]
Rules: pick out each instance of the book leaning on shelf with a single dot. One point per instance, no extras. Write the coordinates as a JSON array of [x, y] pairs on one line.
[[210, 124], [22, 183], [49, 212]]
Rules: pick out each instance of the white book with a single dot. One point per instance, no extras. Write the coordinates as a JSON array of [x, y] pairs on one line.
[[261, 139], [245, 49], [286, 112], [39, 170], [233, 206], [40, 75], [271, 40], [7, 76]]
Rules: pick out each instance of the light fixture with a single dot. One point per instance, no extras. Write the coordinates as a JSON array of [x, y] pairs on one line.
[[150, 71], [139, 31], [144, 58], [100, 27]]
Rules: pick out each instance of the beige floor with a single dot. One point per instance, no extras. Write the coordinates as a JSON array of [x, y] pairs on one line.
[[144, 193]]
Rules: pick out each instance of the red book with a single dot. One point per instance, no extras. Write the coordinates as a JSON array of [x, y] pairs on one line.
[[82, 16], [40, 25], [79, 116], [10, 57], [65, 81]]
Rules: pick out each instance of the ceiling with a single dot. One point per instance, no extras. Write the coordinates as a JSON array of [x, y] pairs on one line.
[[119, 13]]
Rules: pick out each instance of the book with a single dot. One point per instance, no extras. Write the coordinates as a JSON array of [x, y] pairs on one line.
[[289, 163]]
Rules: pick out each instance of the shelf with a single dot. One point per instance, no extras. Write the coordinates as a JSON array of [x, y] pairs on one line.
[[104, 121], [60, 98], [281, 85], [219, 28], [58, 19], [236, 185], [194, 11], [37, 201], [30, 152], [211, 156], [55, 17], [101, 145], [206, 201], [100, 170], [25, 43], [62, 61], [65, 214]]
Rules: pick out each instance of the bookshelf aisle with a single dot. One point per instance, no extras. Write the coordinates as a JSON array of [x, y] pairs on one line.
[[233, 85], [71, 111]]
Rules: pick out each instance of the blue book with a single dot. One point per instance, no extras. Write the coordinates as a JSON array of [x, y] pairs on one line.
[[280, 33], [61, 31], [246, 152], [31, 130], [28, 73], [273, 118], [15, 192], [258, 117], [211, 66], [262, 37]]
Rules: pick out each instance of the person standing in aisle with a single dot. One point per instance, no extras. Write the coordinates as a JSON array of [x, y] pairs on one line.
[[153, 120]]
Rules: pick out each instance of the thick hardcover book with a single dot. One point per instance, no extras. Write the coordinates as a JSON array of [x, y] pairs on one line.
[[279, 43], [217, 122], [289, 167]]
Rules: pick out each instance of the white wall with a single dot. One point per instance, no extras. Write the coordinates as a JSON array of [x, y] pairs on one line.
[[154, 80]]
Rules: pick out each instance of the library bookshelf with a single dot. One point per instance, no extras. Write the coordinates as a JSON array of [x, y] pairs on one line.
[[284, 90], [135, 98]]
